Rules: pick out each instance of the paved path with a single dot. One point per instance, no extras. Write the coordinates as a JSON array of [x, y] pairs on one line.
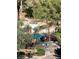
[[48, 55]]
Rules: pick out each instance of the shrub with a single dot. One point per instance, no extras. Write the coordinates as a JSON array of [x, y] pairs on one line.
[[58, 36]]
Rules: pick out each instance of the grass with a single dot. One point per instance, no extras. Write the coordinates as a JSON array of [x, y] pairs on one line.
[[40, 50]]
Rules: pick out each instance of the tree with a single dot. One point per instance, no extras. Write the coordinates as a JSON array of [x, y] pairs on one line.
[[47, 9], [23, 38], [42, 9]]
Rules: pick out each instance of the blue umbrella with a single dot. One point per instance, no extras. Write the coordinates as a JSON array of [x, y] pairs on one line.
[[38, 36]]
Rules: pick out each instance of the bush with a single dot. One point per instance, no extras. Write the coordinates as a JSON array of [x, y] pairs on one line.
[[58, 36], [20, 55]]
